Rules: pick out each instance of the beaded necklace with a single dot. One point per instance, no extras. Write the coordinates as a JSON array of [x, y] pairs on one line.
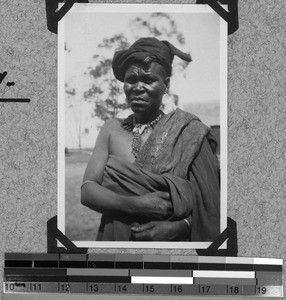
[[138, 129]]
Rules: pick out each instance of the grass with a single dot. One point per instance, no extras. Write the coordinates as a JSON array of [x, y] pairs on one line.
[[81, 222]]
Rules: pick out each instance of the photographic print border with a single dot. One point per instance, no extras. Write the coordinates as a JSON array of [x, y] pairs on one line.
[[139, 8]]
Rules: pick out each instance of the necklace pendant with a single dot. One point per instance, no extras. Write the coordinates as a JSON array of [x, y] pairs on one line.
[[136, 143], [139, 128], [137, 131]]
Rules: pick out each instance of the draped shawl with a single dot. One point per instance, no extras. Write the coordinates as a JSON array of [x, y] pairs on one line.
[[177, 157]]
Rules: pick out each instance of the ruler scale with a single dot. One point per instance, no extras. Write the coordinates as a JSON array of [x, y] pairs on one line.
[[142, 275]]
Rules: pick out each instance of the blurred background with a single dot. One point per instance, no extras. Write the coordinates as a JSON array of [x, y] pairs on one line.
[[93, 95]]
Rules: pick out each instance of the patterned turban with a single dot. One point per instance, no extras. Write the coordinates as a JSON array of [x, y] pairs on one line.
[[145, 51]]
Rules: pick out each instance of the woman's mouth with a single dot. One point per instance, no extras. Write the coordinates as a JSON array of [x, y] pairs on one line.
[[137, 100]]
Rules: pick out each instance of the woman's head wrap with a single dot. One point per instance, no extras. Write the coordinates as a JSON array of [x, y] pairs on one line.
[[145, 51]]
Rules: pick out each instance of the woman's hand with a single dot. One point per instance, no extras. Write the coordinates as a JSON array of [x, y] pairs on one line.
[[160, 231], [155, 206]]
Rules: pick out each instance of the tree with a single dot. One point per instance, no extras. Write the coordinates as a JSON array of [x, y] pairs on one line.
[[106, 92]]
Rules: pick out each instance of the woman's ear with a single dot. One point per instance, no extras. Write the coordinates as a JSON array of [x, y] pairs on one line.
[[167, 83]]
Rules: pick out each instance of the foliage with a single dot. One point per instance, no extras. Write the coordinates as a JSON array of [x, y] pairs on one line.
[[106, 92], [69, 90]]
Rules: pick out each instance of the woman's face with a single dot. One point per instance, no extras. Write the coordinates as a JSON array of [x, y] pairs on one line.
[[144, 87]]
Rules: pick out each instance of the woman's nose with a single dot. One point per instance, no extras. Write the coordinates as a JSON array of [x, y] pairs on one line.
[[139, 87]]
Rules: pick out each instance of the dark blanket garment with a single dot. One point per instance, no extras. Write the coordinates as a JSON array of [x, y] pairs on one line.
[[177, 157]]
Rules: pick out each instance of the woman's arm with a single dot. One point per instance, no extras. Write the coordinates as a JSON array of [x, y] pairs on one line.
[[205, 217], [153, 206], [95, 196], [161, 231]]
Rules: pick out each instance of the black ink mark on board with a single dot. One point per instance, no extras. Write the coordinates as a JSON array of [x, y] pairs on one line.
[[15, 100], [2, 76], [10, 83]]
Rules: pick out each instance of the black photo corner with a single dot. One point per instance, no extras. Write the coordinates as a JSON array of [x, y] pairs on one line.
[[54, 15], [231, 17]]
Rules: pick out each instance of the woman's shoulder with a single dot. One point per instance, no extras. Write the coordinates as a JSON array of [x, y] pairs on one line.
[[112, 127], [111, 123], [179, 113]]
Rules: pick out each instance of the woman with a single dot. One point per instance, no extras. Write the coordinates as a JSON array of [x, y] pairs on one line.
[[152, 176]]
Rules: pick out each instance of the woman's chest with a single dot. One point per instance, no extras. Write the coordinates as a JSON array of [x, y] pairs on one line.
[[124, 143]]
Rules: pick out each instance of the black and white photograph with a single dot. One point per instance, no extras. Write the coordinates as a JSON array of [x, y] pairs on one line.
[[142, 125]]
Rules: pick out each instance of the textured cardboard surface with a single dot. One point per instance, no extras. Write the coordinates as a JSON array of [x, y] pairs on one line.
[[256, 140]]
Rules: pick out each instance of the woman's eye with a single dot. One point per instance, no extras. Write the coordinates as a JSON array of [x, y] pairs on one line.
[[148, 80], [130, 80]]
